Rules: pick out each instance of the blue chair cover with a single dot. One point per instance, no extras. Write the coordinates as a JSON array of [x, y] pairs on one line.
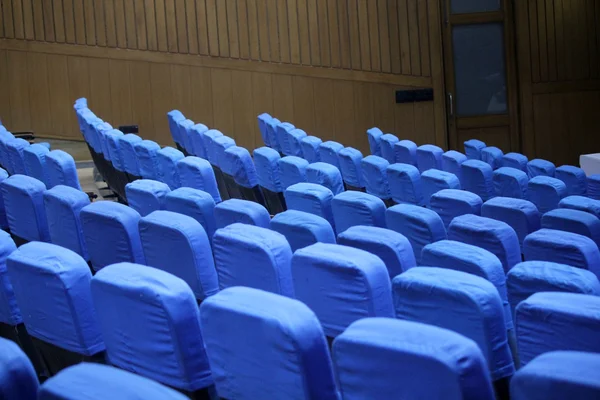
[[451, 203], [100, 382], [268, 172], [18, 379], [374, 170], [168, 173], [530, 277], [593, 186], [61, 169], [282, 131], [220, 145], [294, 144], [253, 256], [406, 152], [580, 222], [350, 167], [111, 233], [510, 182], [3, 218], [387, 147], [24, 204], [473, 149], [238, 164], [550, 321], [15, 148], [35, 162], [184, 133], [151, 325], [405, 184], [246, 212], [272, 132], [196, 204], [293, 170], [434, 180], [197, 173], [477, 177], [263, 120], [495, 236], [63, 205], [130, 161], [302, 229], [341, 285], [9, 310], [393, 248], [374, 136], [515, 160], [52, 288], [146, 155], [574, 179], [196, 136], [546, 192], [326, 175], [208, 138], [493, 156], [421, 226], [288, 358], [357, 208], [564, 248], [539, 167], [310, 148], [328, 152], [452, 162], [310, 198], [113, 150], [146, 196], [581, 203], [428, 157], [461, 302], [372, 363], [521, 215], [173, 116]]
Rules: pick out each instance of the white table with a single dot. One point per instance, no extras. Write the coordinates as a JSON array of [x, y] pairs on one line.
[[590, 163]]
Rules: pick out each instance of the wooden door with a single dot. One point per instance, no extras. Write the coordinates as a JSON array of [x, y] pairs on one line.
[[479, 64]]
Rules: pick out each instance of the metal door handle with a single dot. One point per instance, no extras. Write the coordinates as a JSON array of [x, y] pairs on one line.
[[451, 104]]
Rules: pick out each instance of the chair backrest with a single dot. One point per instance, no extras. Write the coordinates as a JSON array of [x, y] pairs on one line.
[[220, 144], [574, 179], [42, 271], [477, 177], [515, 160], [178, 244], [167, 159], [3, 218], [539, 167], [558, 375], [196, 204], [350, 167], [493, 156], [184, 127], [208, 138], [550, 321], [302, 229], [406, 152], [473, 149], [196, 137], [580, 222], [326, 175], [243, 211], [9, 310], [146, 196], [263, 120], [35, 161], [100, 382], [111, 233], [310, 148], [371, 363], [522, 215], [18, 379], [24, 204], [461, 302], [288, 357], [130, 160], [593, 186], [294, 142], [113, 149], [388, 142], [63, 206], [328, 153], [62, 169], [451, 203], [282, 131], [433, 180], [146, 155], [374, 137], [495, 236], [356, 208], [562, 247], [311, 198], [421, 226], [393, 248], [452, 162], [405, 184], [581, 203], [374, 170], [428, 157], [238, 164], [293, 170], [167, 347], [172, 117], [546, 192], [15, 148], [268, 172], [197, 173], [510, 182]]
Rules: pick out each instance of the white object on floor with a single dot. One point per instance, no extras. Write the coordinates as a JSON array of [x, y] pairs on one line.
[[590, 163]]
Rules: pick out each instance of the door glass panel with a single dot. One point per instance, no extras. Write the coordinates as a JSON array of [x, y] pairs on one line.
[[473, 6], [479, 69]]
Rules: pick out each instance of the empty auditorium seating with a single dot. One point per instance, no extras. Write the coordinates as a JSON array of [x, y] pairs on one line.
[[495, 236], [263, 121], [510, 182], [15, 148], [111, 234], [374, 136], [562, 247], [219, 146], [493, 156], [208, 139], [272, 125], [173, 116], [150, 323], [61, 169], [539, 167], [546, 192], [477, 177], [167, 159], [405, 152], [452, 162], [421, 226], [282, 131], [473, 149], [179, 245], [196, 136], [63, 205], [515, 160], [293, 170], [294, 143], [593, 186], [521, 215], [184, 126], [17, 376], [146, 196], [434, 180], [24, 204], [351, 169], [357, 208], [530, 277], [388, 141], [35, 162], [451, 203], [405, 184], [326, 175], [264, 346], [240, 173], [268, 174], [3, 218], [64, 329], [428, 157], [310, 198], [391, 247], [575, 221], [243, 211], [302, 229], [129, 155], [375, 176], [383, 358], [328, 153], [574, 179], [255, 257], [197, 173], [341, 285], [310, 148], [581, 203], [550, 321]]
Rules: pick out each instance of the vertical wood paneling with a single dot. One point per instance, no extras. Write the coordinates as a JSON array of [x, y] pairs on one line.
[[18, 90], [222, 95], [28, 18], [324, 109], [192, 28], [244, 118], [139, 75], [120, 92], [364, 37], [384, 35], [232, 28], [5, 106], [303, 31], [151, 32], [284, 31], [181, 21], [344, 112], [392, 12], [58, 86], [334, 32], [363, 117], [424, 38], [211, 25], [374, 35], [111, 29], [262, 96], [201, 88], [90, 22], [119, 18], [39, 94], [7, 17], [17, 11], [49, 29], [140, 25], [79, 18], [283, 95], [181, 89], [100, 93], [171, 25], [405, 53], [202, 27], [413, 32], [323, 23], [79, 77], [222, 28], [100, 22], [313, 30], [242, 13], [160, 82], [275, 51], [304, 101], [38, 21]]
